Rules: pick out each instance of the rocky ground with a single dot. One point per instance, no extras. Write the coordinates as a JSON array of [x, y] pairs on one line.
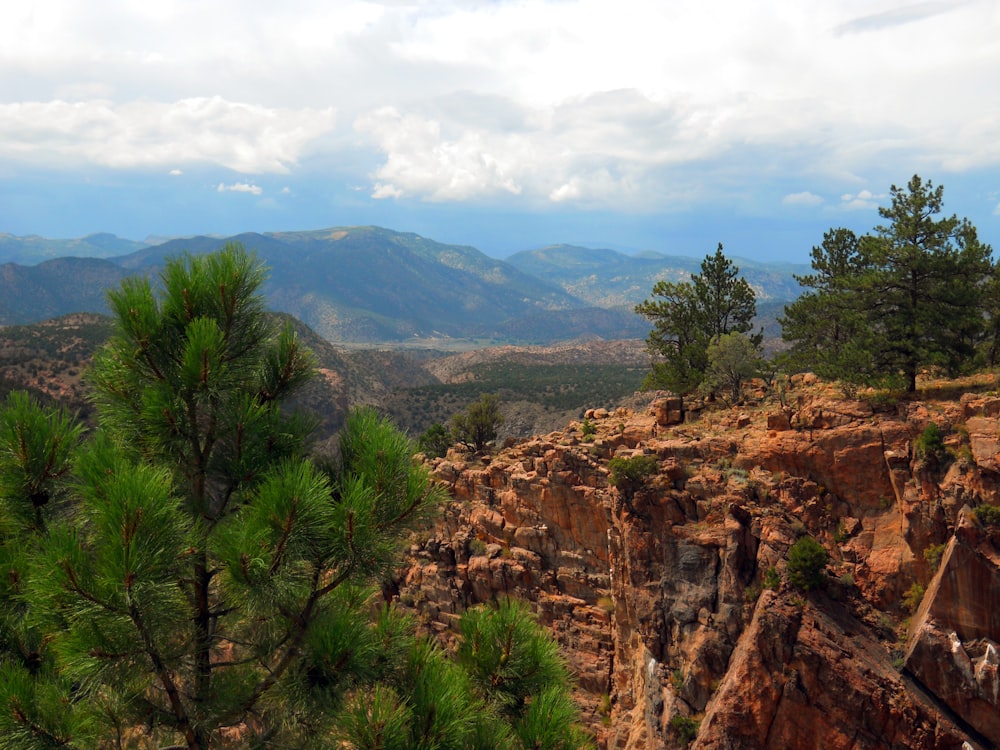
[[671, 616]]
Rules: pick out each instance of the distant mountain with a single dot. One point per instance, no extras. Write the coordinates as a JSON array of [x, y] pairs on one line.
[[57, 287], [32, 249], [608, 278], [370, 285], [364, 284]]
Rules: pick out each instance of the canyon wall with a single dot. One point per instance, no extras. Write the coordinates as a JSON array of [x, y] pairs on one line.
[[670, 597]]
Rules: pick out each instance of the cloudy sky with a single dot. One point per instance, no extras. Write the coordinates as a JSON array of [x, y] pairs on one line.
[[669, 125]]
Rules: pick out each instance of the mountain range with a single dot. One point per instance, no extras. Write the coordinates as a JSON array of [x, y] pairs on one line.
[[369, 285]]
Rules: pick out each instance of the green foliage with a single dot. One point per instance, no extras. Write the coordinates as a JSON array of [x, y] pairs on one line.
[[913, 596], [517, 669], [929, 446], [435, 441], [806, 560], [825, 325], [478, 425], [732, 360], [36, 448], [887, 305], [686, 728], [934, 553], [631, 470], [507, 689], [191, 568], [988, 515], [587, 430], [687, 316], [552, 387], [772, 580], [629, 474]]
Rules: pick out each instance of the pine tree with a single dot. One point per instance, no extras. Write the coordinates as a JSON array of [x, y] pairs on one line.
[[890, 304], [189, 577], [206, 579], [826, 326], [686, 316], [925, 291], [477, 426]]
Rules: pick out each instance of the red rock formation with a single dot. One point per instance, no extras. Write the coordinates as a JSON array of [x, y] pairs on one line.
[[953, 646], [658, 603]]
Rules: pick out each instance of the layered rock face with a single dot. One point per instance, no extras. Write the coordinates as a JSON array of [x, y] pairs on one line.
[[670, 599]]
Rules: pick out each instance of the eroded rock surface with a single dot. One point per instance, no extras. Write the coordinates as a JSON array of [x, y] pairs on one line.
[[673, 608]]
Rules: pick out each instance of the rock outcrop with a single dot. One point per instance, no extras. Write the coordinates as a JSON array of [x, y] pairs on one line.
[[953, 645], [672, 606]]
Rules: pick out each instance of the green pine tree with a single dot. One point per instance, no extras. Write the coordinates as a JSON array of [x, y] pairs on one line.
[[686, 316], [826, 326], [206, 577], [190, 577], [886, 306]]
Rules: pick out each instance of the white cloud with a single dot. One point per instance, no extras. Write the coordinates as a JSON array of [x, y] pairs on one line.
[[175, 172], [240, 187], [804, 198], [633, 103], [618, 148], [996, 210], [422, 161], [864, 200], [243, 137]]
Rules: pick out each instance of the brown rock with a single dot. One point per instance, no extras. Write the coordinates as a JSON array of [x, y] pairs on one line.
[[654, 605], [668, 411], [952, 649]]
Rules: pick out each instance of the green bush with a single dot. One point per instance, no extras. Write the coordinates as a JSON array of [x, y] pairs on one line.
[[988, 515], [478, 425], [913, 597], [435, 441], [806, 560], [629, 475], [933, 554], [686, 728], [771, 579], [929, 446], [631, 471]]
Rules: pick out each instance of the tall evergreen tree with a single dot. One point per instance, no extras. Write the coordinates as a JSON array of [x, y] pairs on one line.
[[925, 289], [726, 301], [686, 316], [908, 297], [826, 326]]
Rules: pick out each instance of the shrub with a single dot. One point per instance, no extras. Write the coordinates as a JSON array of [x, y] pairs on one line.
[[933, 554], [435, 441], [806, 560], [587, 430], [629, 475], [631, 471], [988, 515], [686, 728], [478, 425], [929, 447], [771, 578], [913, 597]]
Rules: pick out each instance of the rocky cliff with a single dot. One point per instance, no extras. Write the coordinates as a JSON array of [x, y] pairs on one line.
[[671, 598]]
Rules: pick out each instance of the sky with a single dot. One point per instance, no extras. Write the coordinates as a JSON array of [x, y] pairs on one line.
[[666, 125]]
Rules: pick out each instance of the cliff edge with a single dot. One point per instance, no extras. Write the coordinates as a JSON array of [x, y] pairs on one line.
[[671, 600]]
